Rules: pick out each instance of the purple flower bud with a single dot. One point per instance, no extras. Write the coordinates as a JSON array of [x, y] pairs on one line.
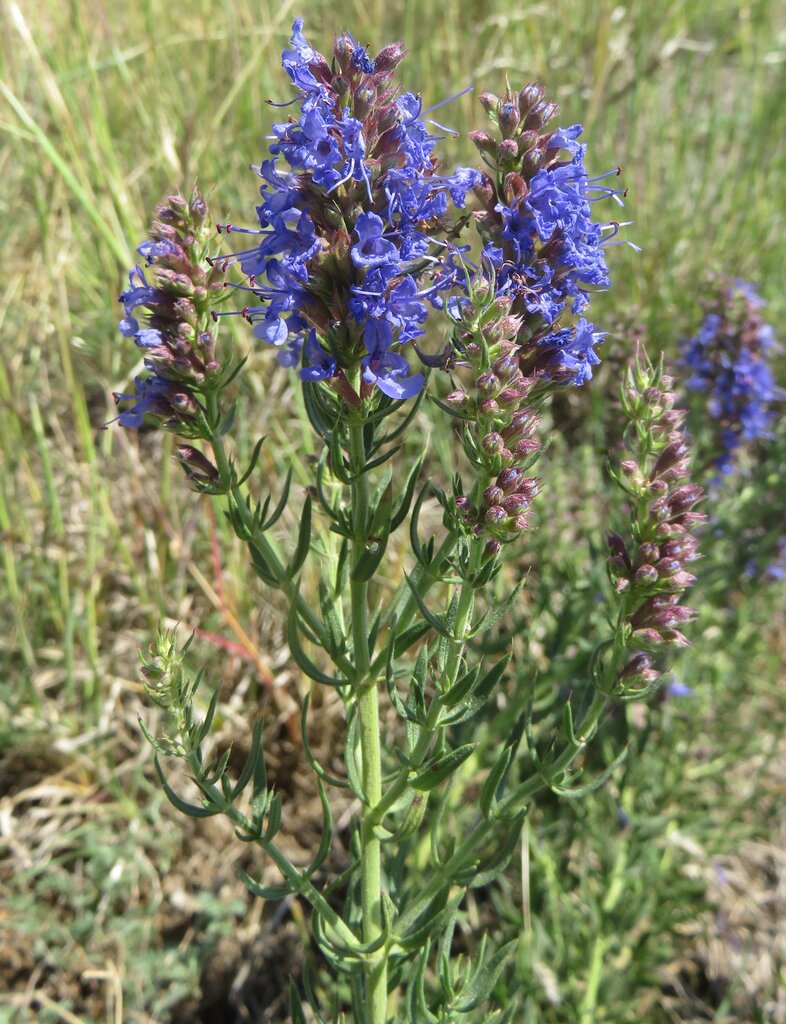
[[507, 150], [495, 515], [645, 575], [672, 455], [619, 550], [526, 446], [674, 639], [683, 548], [515, 504], [508, 116], [489, 102], [506, 367], [493, 495], [682, 580], [484, 142], [683, 497], [676, 615], [529, 96], [648, 553], [457, 398], [649, 639], [464, 507], [492, 443], [389, 58], [540, 115], [489, 407], [639, 671], [197, 466], [509, 479]]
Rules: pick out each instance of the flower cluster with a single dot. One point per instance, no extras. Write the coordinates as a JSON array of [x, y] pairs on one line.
[[728, 360], [351, 233], [539, 236], [649, 571], [168, 307]]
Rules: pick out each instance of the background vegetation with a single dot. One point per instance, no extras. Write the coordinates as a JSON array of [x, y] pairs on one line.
[[662, 897]]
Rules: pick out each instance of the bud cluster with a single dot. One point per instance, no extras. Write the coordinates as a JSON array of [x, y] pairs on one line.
[[176, 294], [728, 360], [499, 422], [649, 571]]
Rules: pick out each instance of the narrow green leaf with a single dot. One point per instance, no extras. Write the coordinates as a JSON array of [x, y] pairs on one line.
[[154, 743], [414, 539], [491, 869], [351, 748], [436, 622], [578, 792], [403, 641], [192, 810], [480, 694], [327, 833], [402, 710], [262, 567], [251, 761], [417, 1007], [459, 690], [494, 785], [431, 920], [300, 656], [483, 980], [252, 463], [316, 767], [273, 818], [227, 422], [430, 776], [402, 505], [377, 541], [493, 615], [267, 892], [303, 541], [204, 729], [282, 504], [412, 819], [296, 1014], [338, 464]]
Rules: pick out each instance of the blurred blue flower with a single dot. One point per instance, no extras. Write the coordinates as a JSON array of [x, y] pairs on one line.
[[728, 361]]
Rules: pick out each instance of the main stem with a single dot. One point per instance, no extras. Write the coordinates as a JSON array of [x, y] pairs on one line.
[[368, 716]]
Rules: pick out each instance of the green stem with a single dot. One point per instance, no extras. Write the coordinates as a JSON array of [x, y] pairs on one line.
[[371, 761]]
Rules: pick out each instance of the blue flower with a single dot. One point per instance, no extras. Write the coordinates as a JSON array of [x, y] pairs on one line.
[[728, 361], [297, 61], [139, 293], [390, 372], [372, 249], [571, 352], [319, 364]]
